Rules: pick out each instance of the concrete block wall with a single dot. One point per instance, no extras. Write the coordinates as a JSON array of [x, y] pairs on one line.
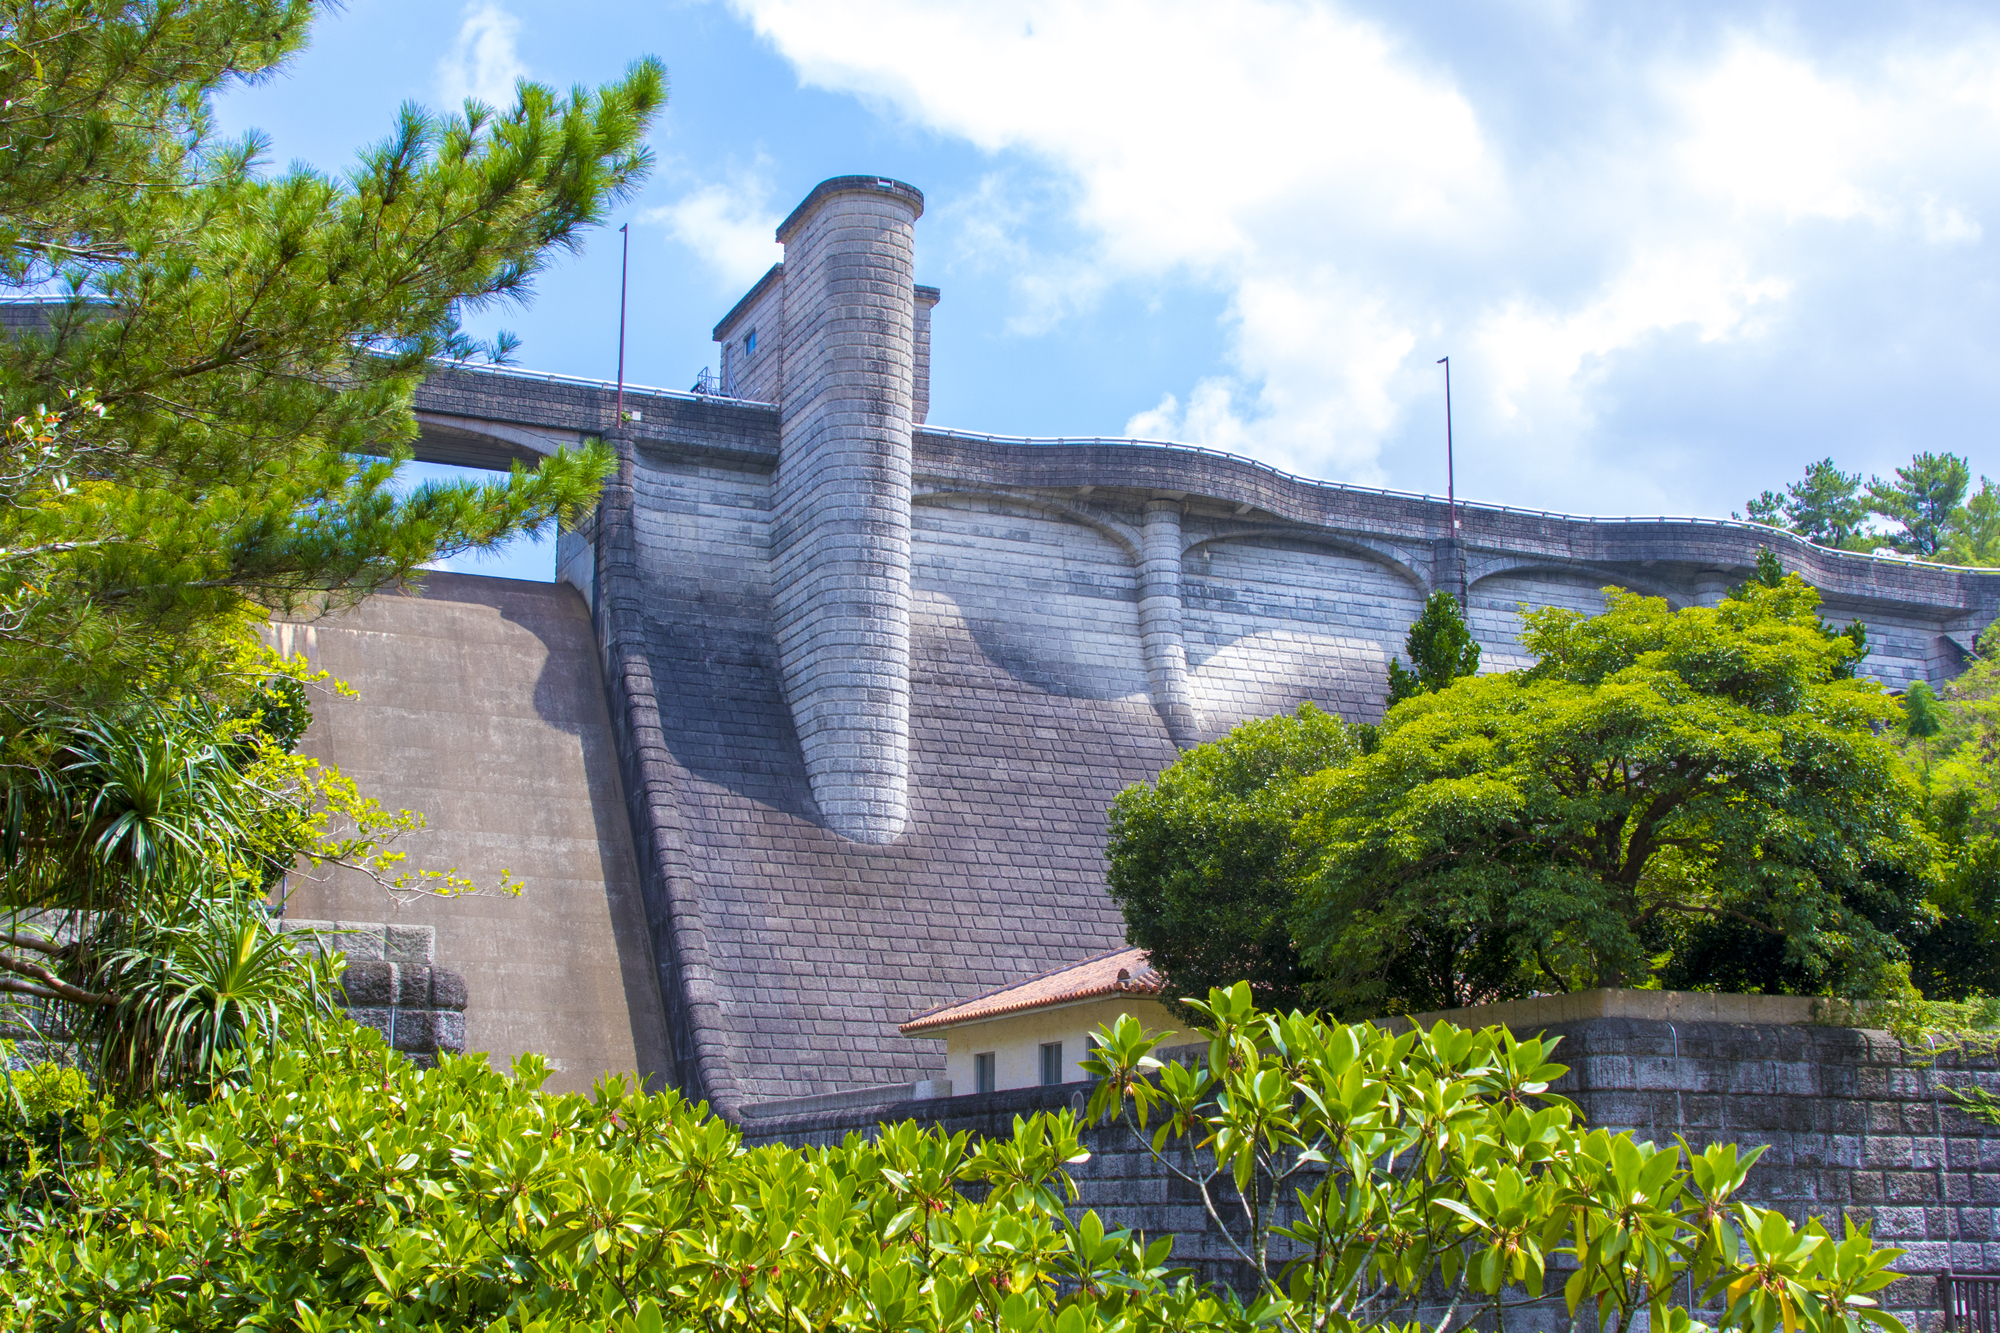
[[1851, 1124], [754, 367], [393, 984]]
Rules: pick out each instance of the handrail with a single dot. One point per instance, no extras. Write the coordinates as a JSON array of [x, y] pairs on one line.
[[1971, 1302], [609, 386], [655, 391]]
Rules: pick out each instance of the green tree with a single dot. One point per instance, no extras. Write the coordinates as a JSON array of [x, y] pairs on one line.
[[1655, 773], [1924, 498], [1975, 534], [1202, 861], [225, 345], [1923, 720], [1441, 650], [1824, 507], [1955, 954]]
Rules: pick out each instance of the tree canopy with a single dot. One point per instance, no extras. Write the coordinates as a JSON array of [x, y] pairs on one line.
[[1706, 798], [1202, 859], [1654, 777], [1927, 501], [1954, 739]]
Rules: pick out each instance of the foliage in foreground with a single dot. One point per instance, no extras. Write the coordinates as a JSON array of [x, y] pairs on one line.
[[343, 1188], [1372, 1178]]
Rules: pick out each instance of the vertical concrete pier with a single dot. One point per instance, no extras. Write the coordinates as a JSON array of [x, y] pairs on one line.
[[1160, 622], [841, 499]]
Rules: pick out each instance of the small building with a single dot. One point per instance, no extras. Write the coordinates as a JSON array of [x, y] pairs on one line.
[[1038, 1031]]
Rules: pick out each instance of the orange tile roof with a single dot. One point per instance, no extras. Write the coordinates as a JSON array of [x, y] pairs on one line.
[[1120, 972]]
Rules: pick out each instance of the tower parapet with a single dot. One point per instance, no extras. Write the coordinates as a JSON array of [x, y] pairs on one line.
[[840, 547]]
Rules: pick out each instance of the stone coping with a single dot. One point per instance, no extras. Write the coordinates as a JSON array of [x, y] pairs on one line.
[[1667, 1006], [882, 1095], [909, 194]]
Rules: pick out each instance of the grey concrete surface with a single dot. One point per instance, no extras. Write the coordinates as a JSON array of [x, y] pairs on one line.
[[480, 705]]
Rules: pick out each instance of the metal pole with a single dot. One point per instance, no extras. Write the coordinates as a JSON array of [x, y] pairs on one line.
[[1450, 482], [624, 266], [1451, 488]]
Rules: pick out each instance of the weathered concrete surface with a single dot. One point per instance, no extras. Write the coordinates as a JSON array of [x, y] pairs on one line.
[[481, 706]]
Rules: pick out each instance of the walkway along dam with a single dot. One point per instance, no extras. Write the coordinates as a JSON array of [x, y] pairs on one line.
[[818, 725]]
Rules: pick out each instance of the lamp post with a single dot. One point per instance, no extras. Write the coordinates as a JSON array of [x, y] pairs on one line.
[[624, 265], [1451, 486]]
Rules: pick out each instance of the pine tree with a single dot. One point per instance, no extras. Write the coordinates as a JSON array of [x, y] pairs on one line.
[[226, 347], [1823, 507], [1924, 498]]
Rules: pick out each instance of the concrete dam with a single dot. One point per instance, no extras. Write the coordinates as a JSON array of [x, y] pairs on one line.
[[818, 726]]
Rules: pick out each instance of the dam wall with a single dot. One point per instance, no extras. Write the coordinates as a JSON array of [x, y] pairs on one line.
[[477, 702], [859, 732]]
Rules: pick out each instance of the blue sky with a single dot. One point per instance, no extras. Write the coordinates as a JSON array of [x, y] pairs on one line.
[[1675, 252]]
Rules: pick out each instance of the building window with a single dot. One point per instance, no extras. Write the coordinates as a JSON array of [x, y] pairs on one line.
[[750, 343], [1052, 1070], [983, 1074]]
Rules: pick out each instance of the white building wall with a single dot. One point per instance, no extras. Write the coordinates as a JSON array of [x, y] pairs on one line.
[[1015, 1040]]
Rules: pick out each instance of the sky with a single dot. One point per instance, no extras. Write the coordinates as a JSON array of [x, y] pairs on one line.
[[1674, 252]]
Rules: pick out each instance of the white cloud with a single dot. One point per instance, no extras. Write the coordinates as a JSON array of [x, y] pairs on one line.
[[1536, 358], [483, 62], [730, 225], [1368, 202]]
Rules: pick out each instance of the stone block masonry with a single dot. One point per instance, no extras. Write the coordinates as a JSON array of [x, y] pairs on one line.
[[840, 534], [872, 683], [1851, 1127]]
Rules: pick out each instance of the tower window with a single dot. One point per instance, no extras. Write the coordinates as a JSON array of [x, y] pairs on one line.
[[1052, 1070], [983, 1074], [750, 343]]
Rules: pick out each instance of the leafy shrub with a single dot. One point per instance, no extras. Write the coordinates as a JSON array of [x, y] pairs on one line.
[[1368, 1178], [340, 1187]]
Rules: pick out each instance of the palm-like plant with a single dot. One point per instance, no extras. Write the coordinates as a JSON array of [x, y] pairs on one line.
[[197, 990], [133, 862]]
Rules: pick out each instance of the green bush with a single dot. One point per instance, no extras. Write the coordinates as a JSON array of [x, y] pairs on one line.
[[342, 1187], [339, 1187], [1376, 1179]]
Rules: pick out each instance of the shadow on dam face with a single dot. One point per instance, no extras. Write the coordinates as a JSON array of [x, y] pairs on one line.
[[482, 707]]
